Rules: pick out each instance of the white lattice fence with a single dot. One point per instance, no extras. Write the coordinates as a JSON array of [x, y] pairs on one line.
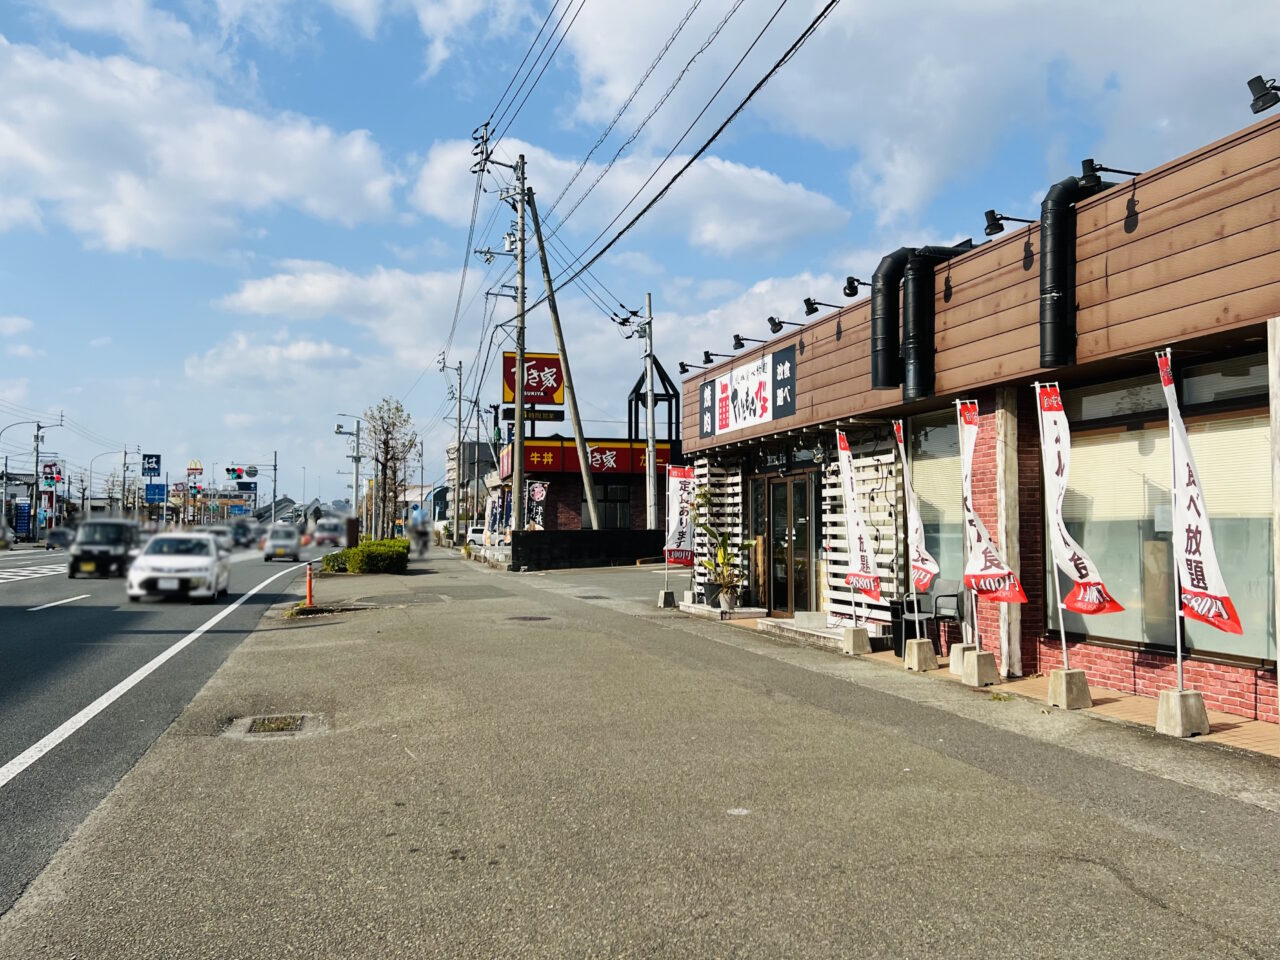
[[879, 485], [725, 512]]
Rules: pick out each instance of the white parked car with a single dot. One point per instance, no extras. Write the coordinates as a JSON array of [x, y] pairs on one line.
[[182, 565], [283, 543], [475, 536]]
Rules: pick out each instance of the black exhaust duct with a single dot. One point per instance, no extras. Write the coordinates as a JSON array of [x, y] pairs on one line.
[[918, 291], [1058, 267], [886, 355]]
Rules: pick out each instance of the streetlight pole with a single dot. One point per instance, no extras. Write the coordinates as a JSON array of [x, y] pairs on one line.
[[651, 450], [339, 430], [4, 508]]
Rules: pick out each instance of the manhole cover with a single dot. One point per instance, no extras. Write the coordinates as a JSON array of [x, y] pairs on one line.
[[291, 723], [593, 596], [528, 618]]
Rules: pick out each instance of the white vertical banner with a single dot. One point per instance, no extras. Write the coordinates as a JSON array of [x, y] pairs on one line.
[[864, 574], [923, 567], [679, 543], [1202, 591], [1088, 594], [985, 572]]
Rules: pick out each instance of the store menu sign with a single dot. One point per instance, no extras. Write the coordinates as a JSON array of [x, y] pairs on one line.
[[756, 392]]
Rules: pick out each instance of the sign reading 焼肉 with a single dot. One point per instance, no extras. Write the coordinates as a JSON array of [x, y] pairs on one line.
[[679, 543], [757, 392], [543, 378]]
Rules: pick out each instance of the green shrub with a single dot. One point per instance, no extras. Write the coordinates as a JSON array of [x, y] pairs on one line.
[[337, 561], [379, 556]]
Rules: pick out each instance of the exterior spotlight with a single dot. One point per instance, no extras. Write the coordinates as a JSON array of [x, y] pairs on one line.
[[740, 342], [1089, 171], [686, 367], [1266, 94], [707, 356], [776, 325], [811, 306], [995, 222], [851, 285]]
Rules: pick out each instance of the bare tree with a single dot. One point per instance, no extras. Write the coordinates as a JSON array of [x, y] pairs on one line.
[[391, 439]]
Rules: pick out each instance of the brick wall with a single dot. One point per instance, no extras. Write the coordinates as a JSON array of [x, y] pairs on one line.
[[984, 486], [564, 500]]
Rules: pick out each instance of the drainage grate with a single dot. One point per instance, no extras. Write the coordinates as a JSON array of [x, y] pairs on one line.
[[528, 618], [290, 723], [593, 596]]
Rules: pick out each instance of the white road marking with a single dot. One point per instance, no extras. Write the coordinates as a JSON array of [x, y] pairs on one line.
[[57, 603], [70, 726], [31, 573]]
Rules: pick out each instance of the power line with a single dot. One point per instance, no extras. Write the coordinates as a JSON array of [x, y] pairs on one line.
[[533, 86], [781, 62], [524, 59]]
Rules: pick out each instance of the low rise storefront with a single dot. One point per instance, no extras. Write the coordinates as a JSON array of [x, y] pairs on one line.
[[1185, 256]]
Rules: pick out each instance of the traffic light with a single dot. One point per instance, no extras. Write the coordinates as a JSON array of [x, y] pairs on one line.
[[236, 473], [57, 477]]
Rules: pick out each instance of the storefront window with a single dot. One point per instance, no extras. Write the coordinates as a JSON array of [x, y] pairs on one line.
[[935, 474], [613, 505], [1118, 508]]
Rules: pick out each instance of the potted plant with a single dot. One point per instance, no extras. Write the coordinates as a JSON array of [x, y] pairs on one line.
[[724, 566]]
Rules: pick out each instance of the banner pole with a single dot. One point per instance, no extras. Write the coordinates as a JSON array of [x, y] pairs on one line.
[[964, 548], [1053, 564], [1173, 511]]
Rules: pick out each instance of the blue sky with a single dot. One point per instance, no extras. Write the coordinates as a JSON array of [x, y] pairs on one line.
[[224, 221]]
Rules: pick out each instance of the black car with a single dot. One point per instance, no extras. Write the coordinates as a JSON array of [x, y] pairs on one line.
[[59, 538], [103, 547]]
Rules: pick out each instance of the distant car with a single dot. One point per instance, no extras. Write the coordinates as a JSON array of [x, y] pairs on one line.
[[242, 533], [59, 538], [282, 543], [103, 547], [180, 564], [475, 536], [223, 535], [330, 531]]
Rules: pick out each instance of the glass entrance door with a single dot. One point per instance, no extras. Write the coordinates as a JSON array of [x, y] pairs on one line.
[[790, 545]]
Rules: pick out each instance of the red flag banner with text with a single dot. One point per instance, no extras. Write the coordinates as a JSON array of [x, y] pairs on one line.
[[923, 567], [1202, 589], [679, 543], [1088, 595], [985, 572], [864, 573]]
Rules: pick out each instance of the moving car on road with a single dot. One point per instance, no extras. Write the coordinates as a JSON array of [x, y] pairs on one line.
[[222, 534], [180, 564], [59, 538], [103, 547], [329, 532], [283, 543]]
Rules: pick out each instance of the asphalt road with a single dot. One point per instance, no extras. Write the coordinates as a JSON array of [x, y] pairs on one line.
[[63, 644]]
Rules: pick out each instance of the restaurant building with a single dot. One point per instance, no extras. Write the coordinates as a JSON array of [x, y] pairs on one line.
[[1185, 256]]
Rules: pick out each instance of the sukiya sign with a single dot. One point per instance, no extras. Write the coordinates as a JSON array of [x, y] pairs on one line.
[[756, 392]]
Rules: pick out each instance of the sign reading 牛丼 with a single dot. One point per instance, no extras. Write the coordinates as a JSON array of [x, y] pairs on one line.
[[753, 393], [543, 378]]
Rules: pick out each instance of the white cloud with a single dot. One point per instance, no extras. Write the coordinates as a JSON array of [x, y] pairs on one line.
[[12, 326], [153, 35], [16, 390], [23, 350], [408, 312], [719, 206], [99, 342], [132, 157], [257, 362]]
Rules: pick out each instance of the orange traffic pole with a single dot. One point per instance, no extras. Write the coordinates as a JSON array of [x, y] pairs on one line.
[[309, 601]]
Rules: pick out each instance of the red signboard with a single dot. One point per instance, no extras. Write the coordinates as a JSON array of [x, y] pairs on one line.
[[607, 457], [543, 378]]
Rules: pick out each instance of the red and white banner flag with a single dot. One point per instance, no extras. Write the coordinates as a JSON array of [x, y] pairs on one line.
[[1088, 595], [985, 572], [679, 543], [864, 574], [1203, 591], [923, 567]]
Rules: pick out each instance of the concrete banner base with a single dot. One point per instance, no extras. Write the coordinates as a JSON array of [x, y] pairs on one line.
[[957, 653], [1069, 689], [666, 599], [979, 669], [919, 656], [1181, 713], [855, 641]]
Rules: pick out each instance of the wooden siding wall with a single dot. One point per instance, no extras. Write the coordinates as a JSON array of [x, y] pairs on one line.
[[725, 513], [1188, 249]]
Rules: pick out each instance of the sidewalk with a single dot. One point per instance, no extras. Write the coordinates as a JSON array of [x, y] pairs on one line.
[[497, 765]]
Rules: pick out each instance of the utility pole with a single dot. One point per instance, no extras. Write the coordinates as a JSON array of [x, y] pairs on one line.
[[475, 461], [275, 463], [457, 464], [584, 458], [517, 452], [651, 449], [124, 477], [422, 476]]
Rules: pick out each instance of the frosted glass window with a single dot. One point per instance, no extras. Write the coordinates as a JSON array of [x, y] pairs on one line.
[[935, 474]]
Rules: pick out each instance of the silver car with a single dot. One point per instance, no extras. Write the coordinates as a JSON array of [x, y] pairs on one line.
[[283, 542]]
